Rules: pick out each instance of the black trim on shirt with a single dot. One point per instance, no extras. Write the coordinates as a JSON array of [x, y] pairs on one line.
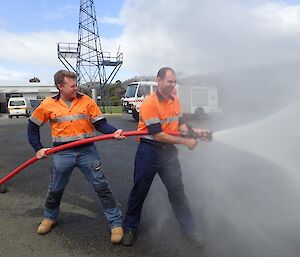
[[33, 134], [182, 120], [154, 128], [104, 127], [57, 96]]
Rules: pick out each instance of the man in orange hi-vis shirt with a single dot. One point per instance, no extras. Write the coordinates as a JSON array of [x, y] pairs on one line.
[[73, 116], [156, 153]]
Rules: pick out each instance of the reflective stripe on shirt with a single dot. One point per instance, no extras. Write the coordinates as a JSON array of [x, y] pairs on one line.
[[150, 137], [152, 121], [35, 121], [100, 117], [70, 118], [73, 138], [157, 120]]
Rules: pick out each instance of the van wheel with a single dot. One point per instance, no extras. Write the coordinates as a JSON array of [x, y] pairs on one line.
[[17, 116], [199, 113], [135, 115], [9, 116]]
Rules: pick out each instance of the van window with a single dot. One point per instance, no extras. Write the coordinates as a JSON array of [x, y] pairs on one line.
[[16, 103], [143, 90], [130, 91]]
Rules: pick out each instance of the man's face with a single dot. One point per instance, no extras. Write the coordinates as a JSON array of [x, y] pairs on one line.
[[69, 89], [167, 85]]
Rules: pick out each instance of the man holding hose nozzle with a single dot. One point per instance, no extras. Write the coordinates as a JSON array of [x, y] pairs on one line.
[[156, 153], [73, 116]]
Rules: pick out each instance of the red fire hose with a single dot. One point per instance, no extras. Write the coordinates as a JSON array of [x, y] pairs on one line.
[[74, 144]]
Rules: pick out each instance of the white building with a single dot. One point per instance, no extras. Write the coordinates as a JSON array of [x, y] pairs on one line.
[[35, 92]]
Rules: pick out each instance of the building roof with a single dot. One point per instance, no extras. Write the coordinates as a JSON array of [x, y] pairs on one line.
[[29, 88]]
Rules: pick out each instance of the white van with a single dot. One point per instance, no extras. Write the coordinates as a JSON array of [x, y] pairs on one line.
[[135, 95], [194, 100], [19, 106], [198, 100]]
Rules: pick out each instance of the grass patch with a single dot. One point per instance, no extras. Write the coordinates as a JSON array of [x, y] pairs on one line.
[[111, 109]]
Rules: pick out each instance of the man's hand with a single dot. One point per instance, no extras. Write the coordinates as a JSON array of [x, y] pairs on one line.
[[40, 154], [190, 143], [118, 134]]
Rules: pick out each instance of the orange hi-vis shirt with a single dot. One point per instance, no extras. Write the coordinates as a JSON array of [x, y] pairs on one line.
[[68, 123], [159, 112]]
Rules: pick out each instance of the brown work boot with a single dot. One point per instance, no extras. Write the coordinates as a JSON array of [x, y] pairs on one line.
[[116, 235], [45, 226]]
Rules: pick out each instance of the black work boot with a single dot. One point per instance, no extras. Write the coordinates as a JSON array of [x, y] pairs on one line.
[[3, 189], [193, 239], [128, 238]]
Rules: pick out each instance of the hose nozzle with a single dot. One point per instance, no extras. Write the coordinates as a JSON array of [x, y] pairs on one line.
[[205, 135], [209, 135]]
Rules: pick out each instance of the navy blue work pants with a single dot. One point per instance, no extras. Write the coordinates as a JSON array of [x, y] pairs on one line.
[[149, 160]]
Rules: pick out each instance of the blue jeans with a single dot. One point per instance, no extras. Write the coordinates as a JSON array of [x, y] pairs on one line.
[[149, 160], [86, 158]]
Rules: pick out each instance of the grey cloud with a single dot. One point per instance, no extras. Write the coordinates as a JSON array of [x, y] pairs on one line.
[[208, 36]]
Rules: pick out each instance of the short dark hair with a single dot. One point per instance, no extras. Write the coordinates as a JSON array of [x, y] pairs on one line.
[[162, 72], [59, 77]]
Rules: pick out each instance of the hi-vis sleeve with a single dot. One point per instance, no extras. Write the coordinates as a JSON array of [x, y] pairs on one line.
[[149, 114], [94, 112], [40, 115]]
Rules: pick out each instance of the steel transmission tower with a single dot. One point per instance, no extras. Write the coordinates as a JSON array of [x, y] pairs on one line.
[[91, 61]]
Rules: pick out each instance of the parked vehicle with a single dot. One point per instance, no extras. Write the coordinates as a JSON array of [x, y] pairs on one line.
[[135, 95], [19, 106], [194, 100], [198, 100]]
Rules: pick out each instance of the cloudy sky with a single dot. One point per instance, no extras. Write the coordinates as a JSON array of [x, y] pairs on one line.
[[193, 36]]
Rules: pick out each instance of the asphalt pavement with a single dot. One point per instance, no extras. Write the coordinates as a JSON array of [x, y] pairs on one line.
[[81, 229], [224, 187]]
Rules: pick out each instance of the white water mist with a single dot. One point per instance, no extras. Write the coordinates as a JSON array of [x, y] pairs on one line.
[[246, 187], [276, 138]]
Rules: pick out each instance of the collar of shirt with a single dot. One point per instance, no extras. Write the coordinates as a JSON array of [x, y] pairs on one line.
[[161, 98], [57, 97]]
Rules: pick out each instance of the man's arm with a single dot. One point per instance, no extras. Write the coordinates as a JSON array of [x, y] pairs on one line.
[[33, 134], [190, 143], [156, 131], [100, 123], [104, 127]]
